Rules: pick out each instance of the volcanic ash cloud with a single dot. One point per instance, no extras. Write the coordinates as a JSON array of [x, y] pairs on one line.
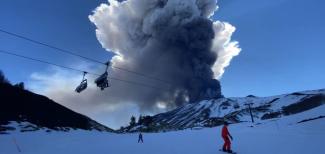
[[173, 40]]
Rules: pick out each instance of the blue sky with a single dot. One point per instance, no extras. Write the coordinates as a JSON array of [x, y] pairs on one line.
[[60, 23], [282, 46], [282, 41]]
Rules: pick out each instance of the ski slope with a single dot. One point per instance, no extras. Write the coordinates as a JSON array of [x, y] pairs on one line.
[[280, 136]]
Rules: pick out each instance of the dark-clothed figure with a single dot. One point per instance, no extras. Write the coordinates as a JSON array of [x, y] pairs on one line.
[[140, 138]]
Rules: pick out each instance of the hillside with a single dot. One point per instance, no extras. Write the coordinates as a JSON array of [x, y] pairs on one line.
[[35, 112], [211, 113]]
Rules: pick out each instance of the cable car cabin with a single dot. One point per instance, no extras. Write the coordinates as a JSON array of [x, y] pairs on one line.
[[82, 86], [102, 81]]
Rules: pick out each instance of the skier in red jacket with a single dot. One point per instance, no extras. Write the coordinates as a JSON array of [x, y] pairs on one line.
[[225, 135]]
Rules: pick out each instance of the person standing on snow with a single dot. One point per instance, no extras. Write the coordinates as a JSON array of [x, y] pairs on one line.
[[225, 135], [140, 138]]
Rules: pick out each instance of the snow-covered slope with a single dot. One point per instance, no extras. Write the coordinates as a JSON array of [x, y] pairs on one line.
[[274, 136], [292, 124], [210, 113]]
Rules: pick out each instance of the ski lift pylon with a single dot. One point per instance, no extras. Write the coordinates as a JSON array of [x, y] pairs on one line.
[[102, 80], [83, 85]]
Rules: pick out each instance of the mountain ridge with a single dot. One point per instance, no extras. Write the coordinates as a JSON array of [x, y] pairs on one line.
[[211, 113], [40, 112]]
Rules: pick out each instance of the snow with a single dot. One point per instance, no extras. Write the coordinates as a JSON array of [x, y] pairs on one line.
[[287, 100], [278, 102], [275, 136]]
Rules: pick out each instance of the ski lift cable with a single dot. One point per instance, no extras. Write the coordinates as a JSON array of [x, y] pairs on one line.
[[79, 70], [80, 56], [84, 75], [41, 61]]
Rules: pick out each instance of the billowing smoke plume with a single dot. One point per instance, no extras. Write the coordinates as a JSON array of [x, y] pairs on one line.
[[173, 40]]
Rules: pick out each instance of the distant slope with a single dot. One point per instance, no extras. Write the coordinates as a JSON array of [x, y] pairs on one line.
[[210, 113], [21, 105]]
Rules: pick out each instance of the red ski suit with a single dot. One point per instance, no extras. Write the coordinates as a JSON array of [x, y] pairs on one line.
[[224, 134]]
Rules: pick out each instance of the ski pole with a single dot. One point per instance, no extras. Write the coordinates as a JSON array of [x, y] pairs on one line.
[[15, 142]]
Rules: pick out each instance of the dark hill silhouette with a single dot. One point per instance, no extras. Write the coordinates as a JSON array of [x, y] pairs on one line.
[[17, 104]]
